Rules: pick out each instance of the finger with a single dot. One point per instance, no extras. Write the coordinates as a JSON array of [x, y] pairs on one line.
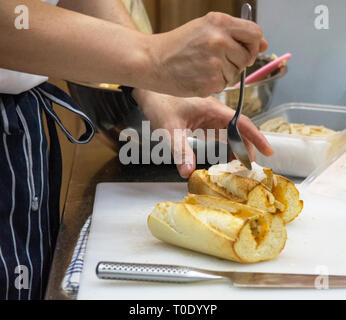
[[252, 134], [246, 31], [247, 129], [229, 71], [250, 149], [263, 45], [250, 36], [183, 155], [239, 55]]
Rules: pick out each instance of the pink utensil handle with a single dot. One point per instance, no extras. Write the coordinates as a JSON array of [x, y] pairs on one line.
[[263, 72]]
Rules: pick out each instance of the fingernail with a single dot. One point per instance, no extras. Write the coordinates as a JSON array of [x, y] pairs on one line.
[[270, 151], [185, 170]]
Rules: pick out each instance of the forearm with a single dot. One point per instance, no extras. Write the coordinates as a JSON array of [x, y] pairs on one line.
[[113, 11], [110, 10], [196, 59], [72, 46]]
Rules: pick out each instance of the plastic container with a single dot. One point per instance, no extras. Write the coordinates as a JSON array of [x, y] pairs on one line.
[[296, 155], [329, 179]]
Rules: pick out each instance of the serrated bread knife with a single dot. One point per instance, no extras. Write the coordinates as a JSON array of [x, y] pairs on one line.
[[181, 274]]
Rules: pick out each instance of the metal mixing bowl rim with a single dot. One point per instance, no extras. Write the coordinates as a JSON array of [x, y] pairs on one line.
[[95, 85]]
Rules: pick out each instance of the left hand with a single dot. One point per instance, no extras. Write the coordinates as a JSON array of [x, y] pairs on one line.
[[169, 112]]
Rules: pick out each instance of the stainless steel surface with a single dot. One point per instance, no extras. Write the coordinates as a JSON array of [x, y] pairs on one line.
[[151, 272], [246, 11], [258, 95], [235, 140], [286, 280], [181, 274]]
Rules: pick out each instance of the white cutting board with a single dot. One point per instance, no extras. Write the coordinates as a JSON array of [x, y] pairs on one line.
[[316, 243]]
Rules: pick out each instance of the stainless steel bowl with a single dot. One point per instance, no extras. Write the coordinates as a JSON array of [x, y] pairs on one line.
[[106, 105], [258, 95]]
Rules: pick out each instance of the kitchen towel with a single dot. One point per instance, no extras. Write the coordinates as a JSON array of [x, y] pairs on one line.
[[70, 283]]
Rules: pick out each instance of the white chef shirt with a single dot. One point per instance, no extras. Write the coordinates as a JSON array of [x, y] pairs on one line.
[[13, 82]]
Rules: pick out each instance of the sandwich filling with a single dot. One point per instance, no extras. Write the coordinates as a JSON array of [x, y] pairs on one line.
[[224, 174], [236, 168]]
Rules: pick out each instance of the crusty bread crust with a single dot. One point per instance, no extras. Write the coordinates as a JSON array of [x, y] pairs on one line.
[[244, 235], [255, 194], [286, 192], [199, 183]]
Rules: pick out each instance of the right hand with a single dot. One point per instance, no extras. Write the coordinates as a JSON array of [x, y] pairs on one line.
[[204, 55], [176, 113]]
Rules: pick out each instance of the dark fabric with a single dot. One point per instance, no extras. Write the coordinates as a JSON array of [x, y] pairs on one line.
[[30, 181]]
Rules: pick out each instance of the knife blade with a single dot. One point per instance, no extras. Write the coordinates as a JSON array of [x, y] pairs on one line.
[[182, 274]]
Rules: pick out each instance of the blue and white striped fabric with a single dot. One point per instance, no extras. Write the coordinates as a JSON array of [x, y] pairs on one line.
[[70, 284], [30, 180]]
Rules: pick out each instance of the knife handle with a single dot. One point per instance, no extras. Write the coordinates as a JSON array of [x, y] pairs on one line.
[[152, 272]]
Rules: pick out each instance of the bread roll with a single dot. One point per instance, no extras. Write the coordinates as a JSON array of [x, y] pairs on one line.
[[274, 194], [220, 228]]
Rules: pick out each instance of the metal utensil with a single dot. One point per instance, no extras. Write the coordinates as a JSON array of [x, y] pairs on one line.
[[181, 274], [235, 140]]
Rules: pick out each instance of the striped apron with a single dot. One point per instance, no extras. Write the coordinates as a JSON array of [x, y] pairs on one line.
[[30, 180]]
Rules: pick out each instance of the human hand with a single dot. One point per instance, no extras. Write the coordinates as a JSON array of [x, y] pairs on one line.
[[169, 112], [204, 55]]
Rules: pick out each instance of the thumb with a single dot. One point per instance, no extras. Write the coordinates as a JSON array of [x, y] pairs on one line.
[[183, 155]]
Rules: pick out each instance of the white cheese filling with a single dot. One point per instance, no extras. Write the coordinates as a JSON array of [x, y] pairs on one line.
[[236, 168], [222, 174]]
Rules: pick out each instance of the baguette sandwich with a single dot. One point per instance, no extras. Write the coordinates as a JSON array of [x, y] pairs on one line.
[[258, 188], [219, 227]]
